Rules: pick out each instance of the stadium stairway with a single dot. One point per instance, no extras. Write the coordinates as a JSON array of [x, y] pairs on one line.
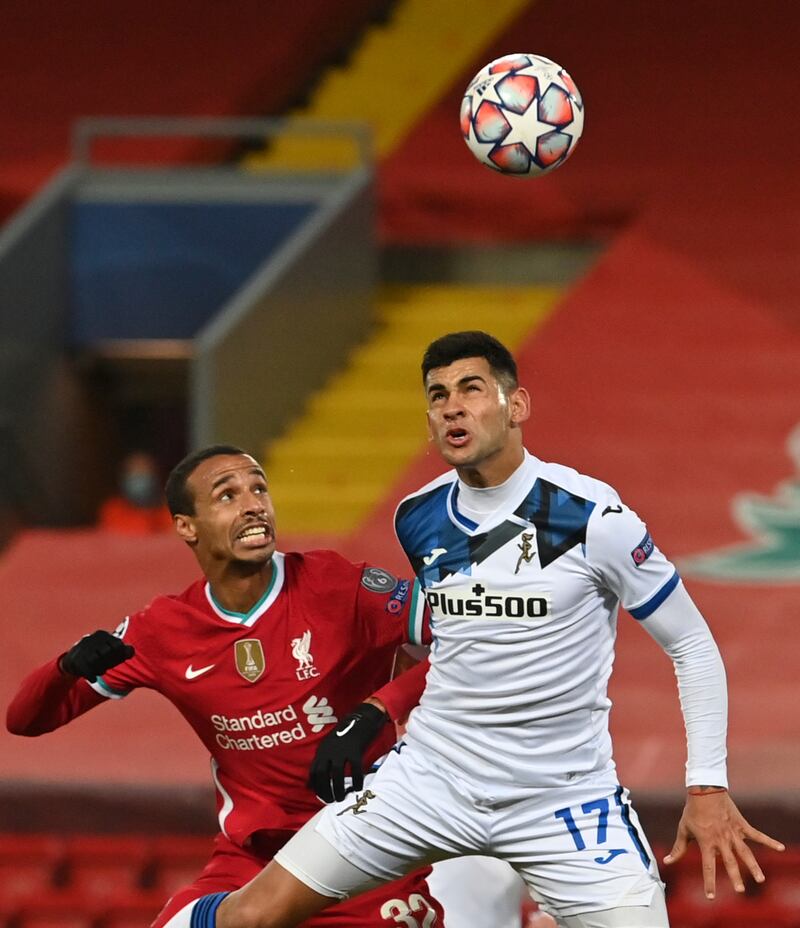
[[399, 70], [188, 57], [360, 432]]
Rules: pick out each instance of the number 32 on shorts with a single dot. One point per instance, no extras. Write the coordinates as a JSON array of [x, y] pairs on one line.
[[409, 913]]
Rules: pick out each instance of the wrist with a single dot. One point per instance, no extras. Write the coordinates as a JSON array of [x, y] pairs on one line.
[[703, 790], [374, 701], [372, 712], [62, 669]]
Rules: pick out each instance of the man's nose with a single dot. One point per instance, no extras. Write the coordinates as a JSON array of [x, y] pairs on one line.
[[252, 503], [453, 408]]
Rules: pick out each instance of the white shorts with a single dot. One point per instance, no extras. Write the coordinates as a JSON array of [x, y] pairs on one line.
[[579, 848]]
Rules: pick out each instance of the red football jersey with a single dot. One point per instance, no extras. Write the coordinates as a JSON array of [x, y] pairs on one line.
[[262, 689]]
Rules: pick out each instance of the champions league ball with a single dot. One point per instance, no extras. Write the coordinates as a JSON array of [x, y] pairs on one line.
[[522, 115]]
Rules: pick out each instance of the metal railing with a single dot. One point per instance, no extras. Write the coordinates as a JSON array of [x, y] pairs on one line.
[[86, 132]]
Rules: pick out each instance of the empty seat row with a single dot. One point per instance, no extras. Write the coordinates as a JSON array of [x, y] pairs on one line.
[[97, 867], [111, 881]]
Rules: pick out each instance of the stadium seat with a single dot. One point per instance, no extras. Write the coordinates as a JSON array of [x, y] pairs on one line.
[[137, 911], [783, 878], [755, 914], [683, 914], [59, 910], [30, 867], [101, 867], [177, 861]]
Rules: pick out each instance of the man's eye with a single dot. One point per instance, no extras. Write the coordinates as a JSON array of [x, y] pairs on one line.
[[224, 497]]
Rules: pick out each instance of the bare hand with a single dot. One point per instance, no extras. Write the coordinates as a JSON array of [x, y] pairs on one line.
[[720, 829]]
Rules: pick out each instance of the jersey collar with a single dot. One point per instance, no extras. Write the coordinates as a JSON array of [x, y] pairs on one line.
[[517, 487], [270, 595]]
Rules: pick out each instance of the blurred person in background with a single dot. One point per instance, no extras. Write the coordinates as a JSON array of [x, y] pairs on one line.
[[138, 507], [261, 656]]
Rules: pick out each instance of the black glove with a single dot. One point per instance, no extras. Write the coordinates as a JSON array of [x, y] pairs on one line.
[[94, 654], [345, 745]]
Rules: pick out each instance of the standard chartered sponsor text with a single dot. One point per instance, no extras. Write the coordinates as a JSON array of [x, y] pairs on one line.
[[285, 719]]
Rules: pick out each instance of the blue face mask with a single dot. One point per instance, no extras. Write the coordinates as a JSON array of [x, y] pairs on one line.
[[140, 489]]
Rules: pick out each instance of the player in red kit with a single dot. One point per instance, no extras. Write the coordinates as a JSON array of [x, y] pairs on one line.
[[262, 657]]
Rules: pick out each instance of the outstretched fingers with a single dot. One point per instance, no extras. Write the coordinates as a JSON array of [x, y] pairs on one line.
[[720, 830], [748, 858], [753, 834], [679, 847]]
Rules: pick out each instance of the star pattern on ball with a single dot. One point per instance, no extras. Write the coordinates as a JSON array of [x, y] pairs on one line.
[[525, 119], [526, 127]]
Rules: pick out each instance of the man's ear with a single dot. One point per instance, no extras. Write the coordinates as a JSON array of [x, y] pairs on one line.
[[520, 402], [185, 527], [428, 426]]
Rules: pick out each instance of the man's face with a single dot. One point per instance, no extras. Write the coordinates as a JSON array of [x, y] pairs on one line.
[[234, 520], [470, 415]]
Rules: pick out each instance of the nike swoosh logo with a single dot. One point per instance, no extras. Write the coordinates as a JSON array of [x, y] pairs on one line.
[[191, 673], [346, 729], [436, 553], [614, 509]]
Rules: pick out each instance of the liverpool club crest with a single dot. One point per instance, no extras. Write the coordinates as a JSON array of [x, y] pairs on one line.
[[301, 652]]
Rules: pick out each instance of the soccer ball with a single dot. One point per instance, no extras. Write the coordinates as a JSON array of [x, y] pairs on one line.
[[522, 115]]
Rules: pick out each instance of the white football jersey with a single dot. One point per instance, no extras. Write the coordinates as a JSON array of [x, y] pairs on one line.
[[524, 611]]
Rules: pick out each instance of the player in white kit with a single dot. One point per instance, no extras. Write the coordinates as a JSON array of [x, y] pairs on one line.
[[524, 564]]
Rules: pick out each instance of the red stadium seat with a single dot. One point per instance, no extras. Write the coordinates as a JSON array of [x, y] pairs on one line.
[[103, 867], [683, 914], [134, 912], [29, 866], [783, 878], [59, 910], [178, 860], [755, 913]]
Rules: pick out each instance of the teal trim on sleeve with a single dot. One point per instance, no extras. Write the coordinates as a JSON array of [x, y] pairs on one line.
[[106, 690]]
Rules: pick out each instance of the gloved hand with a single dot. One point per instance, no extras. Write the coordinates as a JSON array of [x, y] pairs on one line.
[[345, 745], [94, 654]]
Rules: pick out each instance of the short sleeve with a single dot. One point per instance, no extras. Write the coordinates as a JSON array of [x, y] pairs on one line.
[[394, 609], [624, 557]]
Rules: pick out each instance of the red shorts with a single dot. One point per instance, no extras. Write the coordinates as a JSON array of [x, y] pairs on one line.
[[407, 901]]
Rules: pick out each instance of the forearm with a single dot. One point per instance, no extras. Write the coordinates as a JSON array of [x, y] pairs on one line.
[[682, 632], [703, 696], [398, 697], [48, 699]]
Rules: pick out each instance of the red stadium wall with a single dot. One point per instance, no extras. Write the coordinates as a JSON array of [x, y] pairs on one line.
[[180, 58], [672, 371], [688, 132], [681, 393]]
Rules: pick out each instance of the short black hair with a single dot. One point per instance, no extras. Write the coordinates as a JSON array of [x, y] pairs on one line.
[[179, 499], [472, 344]]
